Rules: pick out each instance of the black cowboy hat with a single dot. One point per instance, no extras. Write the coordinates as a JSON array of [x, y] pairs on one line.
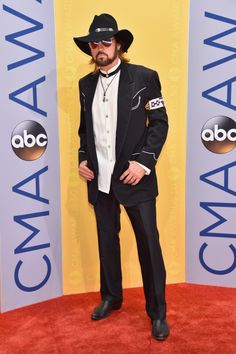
[[102, 27]]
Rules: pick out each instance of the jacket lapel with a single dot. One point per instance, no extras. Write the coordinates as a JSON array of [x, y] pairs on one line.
[[90, 91], [125, 96]]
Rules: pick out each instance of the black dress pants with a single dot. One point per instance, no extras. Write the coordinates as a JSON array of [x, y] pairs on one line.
[[143, 220]]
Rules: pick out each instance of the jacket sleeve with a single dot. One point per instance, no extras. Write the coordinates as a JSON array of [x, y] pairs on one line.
[[157, 126], [82, 152]]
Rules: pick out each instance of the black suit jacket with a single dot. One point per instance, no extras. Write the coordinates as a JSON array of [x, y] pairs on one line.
[[140, 134]]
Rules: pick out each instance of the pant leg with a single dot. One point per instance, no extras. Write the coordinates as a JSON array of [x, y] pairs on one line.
[[107, 212], [143, 219]]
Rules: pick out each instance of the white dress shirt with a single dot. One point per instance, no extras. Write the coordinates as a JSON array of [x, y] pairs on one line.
[[104, 126]]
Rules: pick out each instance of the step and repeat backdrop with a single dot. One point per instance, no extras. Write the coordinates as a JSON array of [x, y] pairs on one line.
[[46, 223], [211, 141], [30, 217]]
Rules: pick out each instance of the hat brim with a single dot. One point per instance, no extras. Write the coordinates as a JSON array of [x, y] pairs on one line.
[[124, 36]]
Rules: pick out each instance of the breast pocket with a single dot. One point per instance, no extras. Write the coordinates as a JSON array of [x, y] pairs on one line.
[[137, 98]]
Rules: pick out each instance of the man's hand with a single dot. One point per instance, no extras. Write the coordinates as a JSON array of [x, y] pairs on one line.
[[85, 172], [133, 174]]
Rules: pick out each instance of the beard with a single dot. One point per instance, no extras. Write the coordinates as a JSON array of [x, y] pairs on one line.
[[105, 60]]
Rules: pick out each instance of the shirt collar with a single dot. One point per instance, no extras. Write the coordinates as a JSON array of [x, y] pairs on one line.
[[112, 69]]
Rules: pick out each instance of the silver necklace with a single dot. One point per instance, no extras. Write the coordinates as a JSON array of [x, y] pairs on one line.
[[108, 85]]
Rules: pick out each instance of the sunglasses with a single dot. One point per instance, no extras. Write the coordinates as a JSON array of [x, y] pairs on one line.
[[105, 42]]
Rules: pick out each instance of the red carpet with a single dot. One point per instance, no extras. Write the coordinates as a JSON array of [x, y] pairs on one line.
[[202, 320]]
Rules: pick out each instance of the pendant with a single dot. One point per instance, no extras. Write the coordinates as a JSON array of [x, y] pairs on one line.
[[104, 98]]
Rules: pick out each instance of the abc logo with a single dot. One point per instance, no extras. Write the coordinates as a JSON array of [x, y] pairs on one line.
[[29, 140], [219, 134]]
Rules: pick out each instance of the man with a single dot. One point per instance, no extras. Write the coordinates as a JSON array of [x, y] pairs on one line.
[[122, 130]]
